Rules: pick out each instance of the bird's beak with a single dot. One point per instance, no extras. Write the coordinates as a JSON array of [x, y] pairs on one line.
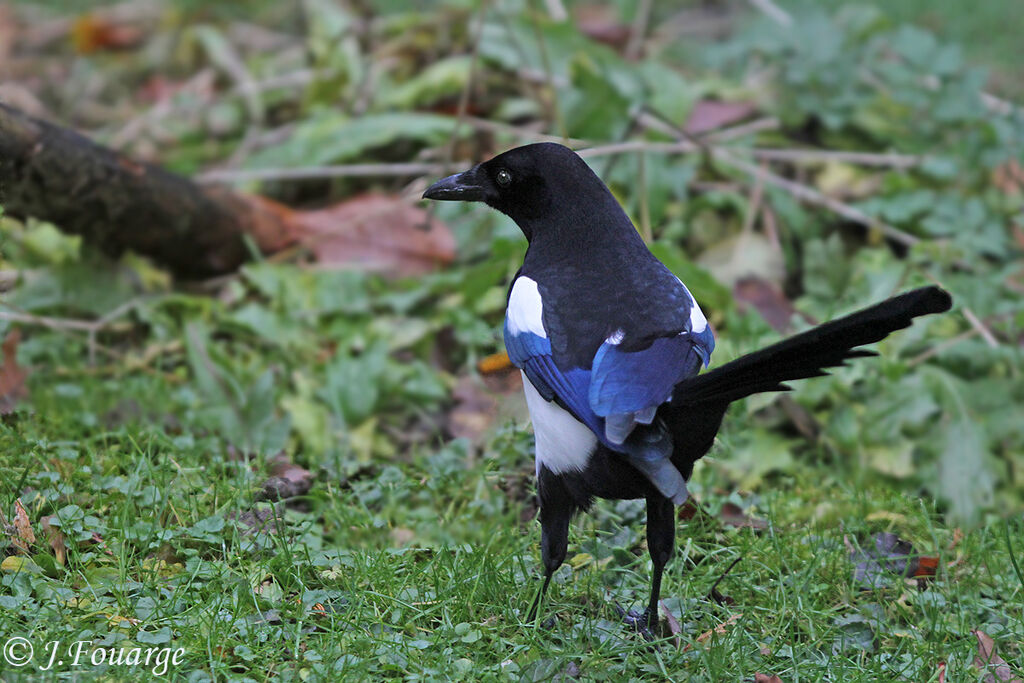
[[461, 187]]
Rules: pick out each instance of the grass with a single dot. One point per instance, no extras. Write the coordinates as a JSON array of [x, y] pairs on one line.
[[425, 569]]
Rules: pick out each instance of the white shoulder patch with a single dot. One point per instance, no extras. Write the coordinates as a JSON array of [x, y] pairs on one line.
[[564, 443], [525, 308], [698, 323], [616, 337]]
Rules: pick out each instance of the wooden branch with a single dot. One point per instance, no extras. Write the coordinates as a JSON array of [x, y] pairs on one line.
[[54, 174]]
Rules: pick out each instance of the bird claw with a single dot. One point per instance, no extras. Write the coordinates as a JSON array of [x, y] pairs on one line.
[[641, 622]]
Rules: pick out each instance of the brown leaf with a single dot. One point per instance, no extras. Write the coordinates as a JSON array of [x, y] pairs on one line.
[[600, 22], [376, 232], [8, 31], [765, 678], [720, 630], [673, 624], [1009, 177], [767, 299], [55, 537], [733, 515], [992, 665], [24, 536], [474, 410], [287, 480], [12, 377], [94, 32], [709, 115]]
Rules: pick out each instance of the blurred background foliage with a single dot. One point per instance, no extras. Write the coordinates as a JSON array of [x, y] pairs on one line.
[[788, 165]]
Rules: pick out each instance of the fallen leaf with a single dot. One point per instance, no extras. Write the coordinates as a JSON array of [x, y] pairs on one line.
[[94, 32], [993, 666], [55, 537], [287, 480], [600, 22], [376, 232], [1009, 177], [891, 555], [15, 564], [765, 678], [8, 31], [252, 522], [733, 515], [496, 362], [709, 115], [720, 630], [673, 624], [12, 377], [768, 300], [24, 536]]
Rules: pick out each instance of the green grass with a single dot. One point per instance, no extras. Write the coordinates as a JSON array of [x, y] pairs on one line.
[[423, 568]]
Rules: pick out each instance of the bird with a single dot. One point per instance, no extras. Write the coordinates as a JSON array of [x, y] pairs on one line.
[[611, 344]]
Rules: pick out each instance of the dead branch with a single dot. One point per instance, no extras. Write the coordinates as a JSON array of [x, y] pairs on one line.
[[115, 203]]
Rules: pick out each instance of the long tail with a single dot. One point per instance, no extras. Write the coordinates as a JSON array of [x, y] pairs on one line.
[[809, 353]]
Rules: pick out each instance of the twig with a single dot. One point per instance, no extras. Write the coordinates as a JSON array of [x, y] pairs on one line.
[[776, 13], [744, 129], [890, 160], [337, 171], [809, 195], [933, 351], [715, 595], [638, 30], [977, 324]]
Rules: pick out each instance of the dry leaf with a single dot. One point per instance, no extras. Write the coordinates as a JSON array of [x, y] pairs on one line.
[[993, 666], [55, 537], [496, 362], [12, 377], [767, 299], [376, 232], [8, 31], [287, 480], [765, 678], [474, 411], [673, 624], [733, 515], [720, 630], [709, 115], [24, 536], [93, 32]]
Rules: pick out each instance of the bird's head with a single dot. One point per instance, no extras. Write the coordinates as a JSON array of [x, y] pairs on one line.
[[527, 183]]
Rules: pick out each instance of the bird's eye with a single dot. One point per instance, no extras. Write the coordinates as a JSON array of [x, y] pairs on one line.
[[503, 177]]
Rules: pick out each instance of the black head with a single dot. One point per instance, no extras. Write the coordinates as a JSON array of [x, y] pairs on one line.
[[527, 183]]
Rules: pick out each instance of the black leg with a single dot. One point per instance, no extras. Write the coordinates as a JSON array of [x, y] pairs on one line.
[[556, 509], [661, 541]]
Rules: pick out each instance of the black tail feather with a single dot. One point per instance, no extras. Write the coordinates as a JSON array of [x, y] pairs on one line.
[[809, 353]]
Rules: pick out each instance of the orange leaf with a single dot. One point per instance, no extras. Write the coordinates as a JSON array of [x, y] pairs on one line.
[[12, 377], [91, 33], [22, 527], [377, 232], [494, 363]]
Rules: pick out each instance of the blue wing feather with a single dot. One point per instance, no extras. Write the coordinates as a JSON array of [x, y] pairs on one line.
[[630, 381]]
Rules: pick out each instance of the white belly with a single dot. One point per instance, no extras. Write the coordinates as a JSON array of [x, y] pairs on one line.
[[564, 443]]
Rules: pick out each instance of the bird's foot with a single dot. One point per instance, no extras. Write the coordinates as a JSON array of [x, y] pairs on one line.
[[643, 623]]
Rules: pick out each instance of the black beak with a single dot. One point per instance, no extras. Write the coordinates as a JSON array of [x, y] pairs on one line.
[[461, 187]]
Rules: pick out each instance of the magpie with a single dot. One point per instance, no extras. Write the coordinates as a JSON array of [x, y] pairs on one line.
[[610, 345]]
